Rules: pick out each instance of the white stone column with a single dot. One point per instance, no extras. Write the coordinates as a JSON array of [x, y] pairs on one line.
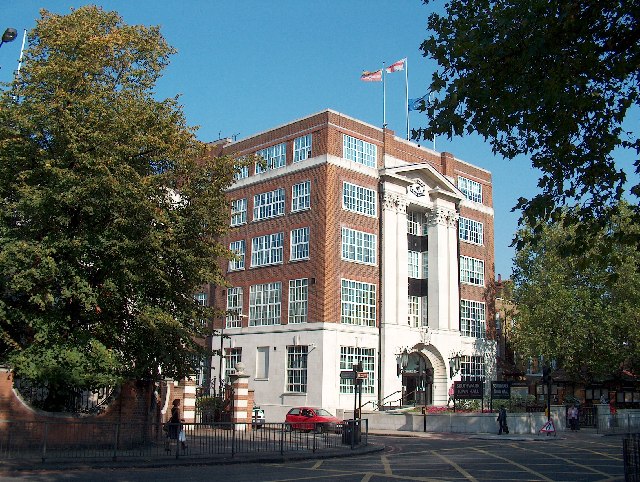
[[444, 305]]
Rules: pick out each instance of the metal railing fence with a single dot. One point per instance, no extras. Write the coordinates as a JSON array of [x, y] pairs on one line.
[[70, 440]]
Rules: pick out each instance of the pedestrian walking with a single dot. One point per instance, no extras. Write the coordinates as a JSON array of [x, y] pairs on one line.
[[572, 415], [175, 430], [502, 421]]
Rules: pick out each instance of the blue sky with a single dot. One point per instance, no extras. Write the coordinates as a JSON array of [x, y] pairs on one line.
[[244, 66]]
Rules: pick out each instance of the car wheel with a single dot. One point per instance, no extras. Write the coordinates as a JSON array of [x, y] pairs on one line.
[[287, 427], [320, 428]]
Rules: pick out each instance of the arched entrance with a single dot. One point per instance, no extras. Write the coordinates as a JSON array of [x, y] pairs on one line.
[[417, 380]]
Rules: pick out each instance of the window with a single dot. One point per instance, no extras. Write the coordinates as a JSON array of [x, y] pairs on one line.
[[201, 299], [238, 249], [266, 250], [274, 156], [297, 369], [268, 204], [418, 264], [425, 264], [470, 231], [241, 172], [232, 357], [471, 271], [351, 355], [472, 190], [298, 296], [234, 307], [417, 308], [359, 151], [262, 362], [299, 244], [358, 303], [264, 304], [301, 196], [472, 368], [358, 246], [302, 148], [238, 212], [472, 318], [358, 199], [416, 223]]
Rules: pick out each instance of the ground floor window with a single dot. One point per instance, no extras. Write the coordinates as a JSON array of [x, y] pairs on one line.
[[232, 357], [297, 368], [351, 355], [472, 368]]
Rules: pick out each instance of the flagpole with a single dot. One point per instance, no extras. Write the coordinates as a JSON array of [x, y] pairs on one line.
[[406, 92], [384, 99]]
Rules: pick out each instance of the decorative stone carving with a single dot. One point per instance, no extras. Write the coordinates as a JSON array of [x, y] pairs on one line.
[[395, 202], [443, 217]]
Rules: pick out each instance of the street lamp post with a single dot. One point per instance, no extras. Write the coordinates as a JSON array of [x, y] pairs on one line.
[[9, 35]]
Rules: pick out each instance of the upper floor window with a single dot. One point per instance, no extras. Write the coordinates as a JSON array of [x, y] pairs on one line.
[[201, 299], [234, 307], [298, 300], [300, 196], [302, 148], [266, 250], [417, 312], [472, 190], [238, 250], [418, 264], [268, 204], [265, 304], [241, 172], [470, 230], [471, 271], [359, 151], [359, 199], [472, 368], [274, 156], [238, 212], [416, 223], [358, 246], [472, 318], [358, 303], [299, 244]]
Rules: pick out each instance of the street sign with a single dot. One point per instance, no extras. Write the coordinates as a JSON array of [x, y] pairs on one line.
[[347, 374], [500, 390], [362, 376], [467, 390]]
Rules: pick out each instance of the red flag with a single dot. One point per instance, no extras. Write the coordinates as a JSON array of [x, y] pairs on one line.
[[371, 76], [394, 67]]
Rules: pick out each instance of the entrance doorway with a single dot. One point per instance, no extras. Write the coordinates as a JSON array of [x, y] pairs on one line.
[[417, 381]]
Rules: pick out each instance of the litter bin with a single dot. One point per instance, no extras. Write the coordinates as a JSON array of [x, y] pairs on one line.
[[351, 432]]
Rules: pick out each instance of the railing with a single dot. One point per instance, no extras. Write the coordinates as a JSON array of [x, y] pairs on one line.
[[66, 441], [618, 423]]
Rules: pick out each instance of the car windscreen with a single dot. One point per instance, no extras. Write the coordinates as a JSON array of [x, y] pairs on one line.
[[323, 413]]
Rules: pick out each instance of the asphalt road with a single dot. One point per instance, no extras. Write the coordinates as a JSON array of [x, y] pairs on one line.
[[435, 457]]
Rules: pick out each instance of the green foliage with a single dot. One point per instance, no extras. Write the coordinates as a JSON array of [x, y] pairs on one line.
[[111, 209], [551, 80], [579, 309]]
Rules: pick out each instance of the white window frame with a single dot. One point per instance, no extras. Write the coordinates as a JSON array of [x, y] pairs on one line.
[[471, 189], [275, 157], [359, 246], [232, 356], [473, 318], [417, 311], [302, 148], [201, 298], [471, 271], [239, 249], [297, 362], [416, 223], [359, 151], [238, 212], [241, 173], [265, 304], [299, 244], [470, 231], [352, 355], [235, 299], [267, 250], [357, 303], [472, 368], [267, 205], [301, 196], [298, 300], [359, 199]]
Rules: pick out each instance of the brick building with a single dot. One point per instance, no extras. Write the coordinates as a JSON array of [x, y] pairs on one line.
[[354, 245]]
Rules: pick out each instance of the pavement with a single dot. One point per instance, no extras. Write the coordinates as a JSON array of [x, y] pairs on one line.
[[14, 466]]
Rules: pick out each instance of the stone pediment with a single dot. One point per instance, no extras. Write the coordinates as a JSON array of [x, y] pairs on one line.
[[422, 181]]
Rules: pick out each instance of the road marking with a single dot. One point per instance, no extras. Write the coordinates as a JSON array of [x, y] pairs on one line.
[[317, 464], [386, 465], [466, 474], [573, 462], [523, 467]]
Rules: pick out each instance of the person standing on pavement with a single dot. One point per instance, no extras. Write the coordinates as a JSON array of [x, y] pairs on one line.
[[572, 414], [502, 421]]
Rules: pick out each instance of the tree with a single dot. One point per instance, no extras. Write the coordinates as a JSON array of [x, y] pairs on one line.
[[111, 210], [579, 309], [553, 80]]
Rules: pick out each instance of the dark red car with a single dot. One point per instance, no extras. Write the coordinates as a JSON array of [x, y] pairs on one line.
[[310, 418]]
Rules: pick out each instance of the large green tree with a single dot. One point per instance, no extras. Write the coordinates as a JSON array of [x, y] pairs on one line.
[[110, 209], [579, 309], [551, 80]]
